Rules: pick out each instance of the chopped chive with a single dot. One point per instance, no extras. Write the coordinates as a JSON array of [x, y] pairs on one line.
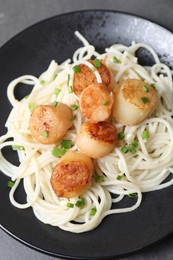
[[68, 80], [10, 184], [119, 177], [66, 144], [57, 152], [144, 100], [93, 69], [32, 106], [121, 136], [134, 143], [153, 86], [104, 102], [26, 96], [132, 149], [70, 90], [70, 205], [44, 134], [133, 195], [73, 117], [124, 149], [42, 82], [55, 103], [80, 203], [74, 107], [97, 63], [76, 69], [17, 147], [145, 134], [145, 88], [93, 211], [57, 91], [99, 179], [116, 60], [54, 76]]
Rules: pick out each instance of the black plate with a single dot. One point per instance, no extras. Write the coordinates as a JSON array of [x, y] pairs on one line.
[[30, 52]]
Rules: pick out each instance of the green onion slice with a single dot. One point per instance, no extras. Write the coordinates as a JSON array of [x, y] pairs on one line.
[[57, 91], [17, 147], [32, 106], [76, 69], [124, 149], [44, 134], [116, 60], [10, 184], [54, 104], [133, 195], [145, 134], [58, 152], [104, 102], [145, 88], [66, 144], [80, 203], [70, 205], [97, 63], [74, 107], [119, 177], [121, 136], [99, 179], [145, 100], [93, 211]]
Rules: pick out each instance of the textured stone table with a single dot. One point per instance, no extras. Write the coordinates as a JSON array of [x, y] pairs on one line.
[[16, 15]]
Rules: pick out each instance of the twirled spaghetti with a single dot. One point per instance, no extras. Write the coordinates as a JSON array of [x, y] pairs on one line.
[[117, 174]]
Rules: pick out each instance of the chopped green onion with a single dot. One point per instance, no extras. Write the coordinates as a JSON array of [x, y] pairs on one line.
[[74, 107], [10, 184], [44, 134], [57, 152], [132, 149], [116, 60], [144, 100], [145, 88], [17, 147], [32, 106], [70, 205], [104, 102], [70, 90], [68, 79], [119, 177], [133, 195], [97, 63], [80, 203], [99, 179], [73, 117], [54, 76], [93, 69], [145, 134], [42, 82], [153, 86], [134, 143], [76, 69], [26, 96], [57, 91], [121, 136], [66, 144], [93, 211], [124, 149], [55, 103]]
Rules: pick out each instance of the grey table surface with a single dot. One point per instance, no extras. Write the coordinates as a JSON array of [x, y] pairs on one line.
[[16, 15]]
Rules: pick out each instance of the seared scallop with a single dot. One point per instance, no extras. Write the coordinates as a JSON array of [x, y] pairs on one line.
[[86, 76], [96, 102], [72, 175], [96, 139], [48, 123], [133, 102]]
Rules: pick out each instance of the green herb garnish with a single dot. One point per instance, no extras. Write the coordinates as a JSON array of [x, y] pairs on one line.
[[10, 184], [74, 107], [99, 179], [145, 88], [55, 103], [97, 63], [119, 177], [133, 195], [145, 100], [124, 149], [80, 203], [57, 91], [121, 136], [44, 134], [104, 102], [32, 106], [70, 205], [66, 144], [116, 60], [73, 117], [17, 147], [93, 69], [153, 86], [42, 82], [93, 211], [76, 69], [145, 134], [57, 152]]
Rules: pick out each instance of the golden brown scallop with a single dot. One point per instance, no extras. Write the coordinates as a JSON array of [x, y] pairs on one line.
[[72, 175], [96, 139], [133, 102], [48, 124], [96, 102], [86, 76]]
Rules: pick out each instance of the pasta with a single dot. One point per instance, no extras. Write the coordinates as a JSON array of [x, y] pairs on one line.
[[118, 174]]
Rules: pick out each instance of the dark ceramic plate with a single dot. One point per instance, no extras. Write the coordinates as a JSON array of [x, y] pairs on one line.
[[30, 52]]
